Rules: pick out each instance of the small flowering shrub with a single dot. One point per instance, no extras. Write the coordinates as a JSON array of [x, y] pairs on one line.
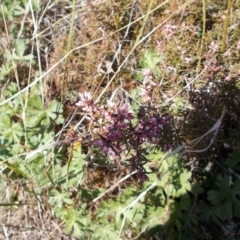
[[123, 137]]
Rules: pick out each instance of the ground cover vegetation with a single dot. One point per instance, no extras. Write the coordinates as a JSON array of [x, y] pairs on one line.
[[120, 119]]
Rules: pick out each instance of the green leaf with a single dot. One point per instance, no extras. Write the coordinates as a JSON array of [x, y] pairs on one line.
[[215, 197], [185, 177], [20, 47], [178, 225], [5, 69], [156, 216], [54, 112], [11, 89], [225, 198], [10, 131], [16, 168], [76, 163], [159, 196], [38, 114], [224, 210], [233, 159], [76, 221], [15, 132], [156, 156], [197, 188], [110, 208], [177, 208], [208, 213], [71, 218], [58, 198], [164, 179], [104, 233], [135, 214], [4, 122], [150, 61], [18, 11], [13, 8], [18, 52]]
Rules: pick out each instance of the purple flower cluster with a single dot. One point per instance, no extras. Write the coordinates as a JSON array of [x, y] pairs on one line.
[[117, 137], [116, 122], [150, 129]]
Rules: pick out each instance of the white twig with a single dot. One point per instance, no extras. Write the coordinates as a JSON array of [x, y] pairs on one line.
[[114, 186], [214, 128], [126, 209], [5, 232]]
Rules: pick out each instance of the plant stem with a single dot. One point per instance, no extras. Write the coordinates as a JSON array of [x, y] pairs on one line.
[[70, 37], [203, 36], [225, 26]]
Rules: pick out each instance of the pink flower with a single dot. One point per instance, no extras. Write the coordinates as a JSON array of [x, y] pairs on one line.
[[107, 116], [102, 144], [145, 94], [160, 46], [148, 83], [214, 47], [226, 145], [124, 113], [147, 73], [170, 29], [111, 104], [84, 98], [227, 53], [88, 106], [234, 117], [186, 59], [228, 78], [167, 147]]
